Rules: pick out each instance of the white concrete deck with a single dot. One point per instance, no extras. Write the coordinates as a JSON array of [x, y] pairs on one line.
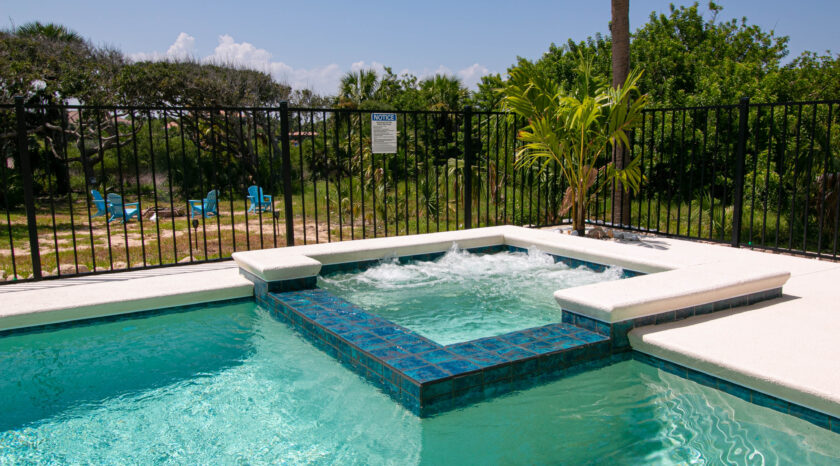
[[53, 301], [787, 347]]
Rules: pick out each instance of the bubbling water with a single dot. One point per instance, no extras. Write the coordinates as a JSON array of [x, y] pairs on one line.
[[462, 295]]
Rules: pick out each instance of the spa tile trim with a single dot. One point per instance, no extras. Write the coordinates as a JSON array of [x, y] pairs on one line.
[[618, 331]]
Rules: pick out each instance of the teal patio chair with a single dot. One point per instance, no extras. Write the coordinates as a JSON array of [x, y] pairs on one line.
[[207, 206], [118, 210], [258, 199], [99, 202]]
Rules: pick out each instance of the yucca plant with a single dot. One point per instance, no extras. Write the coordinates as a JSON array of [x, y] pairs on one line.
[[574, 127]]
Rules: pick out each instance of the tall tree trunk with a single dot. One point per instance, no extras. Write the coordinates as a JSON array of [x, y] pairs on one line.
[[620, 31]]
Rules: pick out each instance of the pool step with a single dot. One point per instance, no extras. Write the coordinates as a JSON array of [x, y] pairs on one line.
[[423, 375]]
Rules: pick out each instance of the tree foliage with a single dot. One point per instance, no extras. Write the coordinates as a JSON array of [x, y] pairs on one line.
[[692, 60]]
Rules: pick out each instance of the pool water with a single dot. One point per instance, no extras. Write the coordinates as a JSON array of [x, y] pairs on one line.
[[229, 384], [462, 296]]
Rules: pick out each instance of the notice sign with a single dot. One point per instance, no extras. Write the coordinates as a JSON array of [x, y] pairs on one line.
[[383, 128]]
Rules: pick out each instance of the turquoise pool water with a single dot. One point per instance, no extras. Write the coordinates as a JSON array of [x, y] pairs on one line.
[[229, 384], [463, 296]]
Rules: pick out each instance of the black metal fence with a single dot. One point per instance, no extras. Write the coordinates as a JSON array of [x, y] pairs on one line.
[[761, 175], [756, 175]]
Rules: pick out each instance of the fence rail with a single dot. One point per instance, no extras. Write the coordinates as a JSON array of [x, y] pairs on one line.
[[757, 175]]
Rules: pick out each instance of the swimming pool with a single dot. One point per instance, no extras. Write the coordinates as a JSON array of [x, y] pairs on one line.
[[227, 383]]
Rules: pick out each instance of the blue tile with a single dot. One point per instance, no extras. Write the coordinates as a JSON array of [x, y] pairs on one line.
[[518, 338], [467, 381], [372, 344], [438, 405], [458, 366], [515, 353], [388, 353], [770, 402], [420, 347], [704, 309], [562, 343], [665, 317], [426, 373], [410, 387], [410, 362], [410, 402], [497, 388], [486, 359], [585, 322], [468, 396], [525, 367], [497, 373], [683, 313], [435, 389], [540, 347], [359, 335], [437, 356], [734, 390], [810, 415], [540, 332], [465, 349], [602, 328], [590, 337], [644, 321], [701, 378], [384, 331], [407, 339], [492, 344]]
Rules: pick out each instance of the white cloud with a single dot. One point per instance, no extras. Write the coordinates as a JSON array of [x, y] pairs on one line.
[[321, 79], [242, 54], [182, 48], [471, 75]]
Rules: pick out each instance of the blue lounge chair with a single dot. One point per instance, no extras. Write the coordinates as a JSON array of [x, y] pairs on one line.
[[99, 202], [121, 211], [258, 199], [207, 206]]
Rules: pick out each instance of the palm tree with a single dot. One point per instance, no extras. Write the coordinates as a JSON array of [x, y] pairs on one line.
[[574, 127], [356, 87], [51, 31], [620, 31], [443, 93]]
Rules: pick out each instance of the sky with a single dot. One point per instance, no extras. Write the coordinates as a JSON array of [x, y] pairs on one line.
[[311, 43]]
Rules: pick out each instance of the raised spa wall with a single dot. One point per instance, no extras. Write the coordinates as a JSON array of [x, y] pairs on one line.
[[428, 378]]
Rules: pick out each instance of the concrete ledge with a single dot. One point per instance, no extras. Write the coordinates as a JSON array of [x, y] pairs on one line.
[[63, 304], [667, 291], [277, 264]]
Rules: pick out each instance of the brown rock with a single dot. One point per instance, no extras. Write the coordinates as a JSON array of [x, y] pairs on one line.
[[597, 233], [184, 260]]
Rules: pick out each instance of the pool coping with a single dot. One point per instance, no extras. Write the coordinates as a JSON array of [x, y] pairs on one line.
[[81, 298]]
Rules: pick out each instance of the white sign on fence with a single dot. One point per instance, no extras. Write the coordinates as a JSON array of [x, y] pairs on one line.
[[383, 129]]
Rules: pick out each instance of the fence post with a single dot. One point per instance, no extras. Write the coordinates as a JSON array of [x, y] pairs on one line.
[[287, 174], [468, 160], [28, 197], [740, 155]]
